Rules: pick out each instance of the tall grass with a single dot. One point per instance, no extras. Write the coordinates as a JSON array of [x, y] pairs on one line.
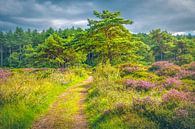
[[27, 94], [113, 103]]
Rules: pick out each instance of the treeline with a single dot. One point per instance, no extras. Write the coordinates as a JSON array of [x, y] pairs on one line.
[[105, 40]]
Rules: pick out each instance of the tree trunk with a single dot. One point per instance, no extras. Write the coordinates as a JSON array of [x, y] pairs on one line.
[[1, 55], [161, 56], [20, 55], [10, 52]]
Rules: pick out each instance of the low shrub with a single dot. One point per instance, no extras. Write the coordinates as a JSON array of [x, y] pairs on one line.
[[126, 69], [185, 74], [184, 59], [135, 121], [174, 98], [181, 117], [190, 66], [141, 104], [172, 83], [146, 76], [188, 85], [164, 68], [121, 108], [139, 84], [4, 74], [174, 95]]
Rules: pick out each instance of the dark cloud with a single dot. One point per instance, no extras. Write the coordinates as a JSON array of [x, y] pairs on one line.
[[176, 16]]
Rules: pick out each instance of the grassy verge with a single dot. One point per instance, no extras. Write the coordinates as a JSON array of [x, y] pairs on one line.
[[139, 99], [27, 93]]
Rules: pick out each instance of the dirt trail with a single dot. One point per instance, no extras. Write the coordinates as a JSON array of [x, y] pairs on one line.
[[67, 112]]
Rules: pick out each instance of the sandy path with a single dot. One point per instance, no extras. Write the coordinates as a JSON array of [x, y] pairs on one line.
[[67, 112]]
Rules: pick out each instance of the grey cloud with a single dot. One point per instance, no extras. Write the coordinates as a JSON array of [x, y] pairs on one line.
[[172, 15]]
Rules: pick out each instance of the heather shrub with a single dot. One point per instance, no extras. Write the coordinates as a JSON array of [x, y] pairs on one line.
[[111, 105], [143, 104], [130, 69], [127, 65], [172, 83], [164, 68], [184, 117], [126, 69], [190, 66], [150, 109], [135, 121], [185, 74], [139, 84], [121, 108], [179, 117], [188, 85], [146, 76], [4, 74], [174, 95], [174, 98]]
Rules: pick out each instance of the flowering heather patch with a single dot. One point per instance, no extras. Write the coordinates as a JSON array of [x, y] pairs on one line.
[[190, 66], [184, 74], [174, 95], [4, 74], [181, 113], [131, 69], [164, 68], [141, 103], [171, 82], [29, 69], [139, 84]]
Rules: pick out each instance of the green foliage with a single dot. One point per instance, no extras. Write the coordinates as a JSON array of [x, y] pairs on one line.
[[164, 68], [110, 40], [56, 52], [29, 92], [26, 93], [184, 59], [110, 104], [106, 39], [14, 59]]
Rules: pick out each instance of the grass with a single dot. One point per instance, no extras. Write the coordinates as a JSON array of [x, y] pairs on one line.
[[28, 93], [110, 105]]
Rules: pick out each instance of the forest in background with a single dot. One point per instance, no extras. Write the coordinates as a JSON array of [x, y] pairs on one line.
[[105, 40], [135, 78]]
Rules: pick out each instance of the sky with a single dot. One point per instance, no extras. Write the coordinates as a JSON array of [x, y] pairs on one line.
[[175, 16]]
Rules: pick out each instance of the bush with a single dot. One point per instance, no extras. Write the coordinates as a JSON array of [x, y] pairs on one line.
[[139, 84], [121, 108], [185, 74], [184, 59], [180, 118], [4, 74], [188, 85], [164, 68], [174, 98], [127, 69], [185, 117], [190, 66], [107, 72], [172, 83], [142, 104]]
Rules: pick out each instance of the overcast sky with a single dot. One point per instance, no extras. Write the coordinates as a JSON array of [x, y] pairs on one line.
[[176, 16]]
